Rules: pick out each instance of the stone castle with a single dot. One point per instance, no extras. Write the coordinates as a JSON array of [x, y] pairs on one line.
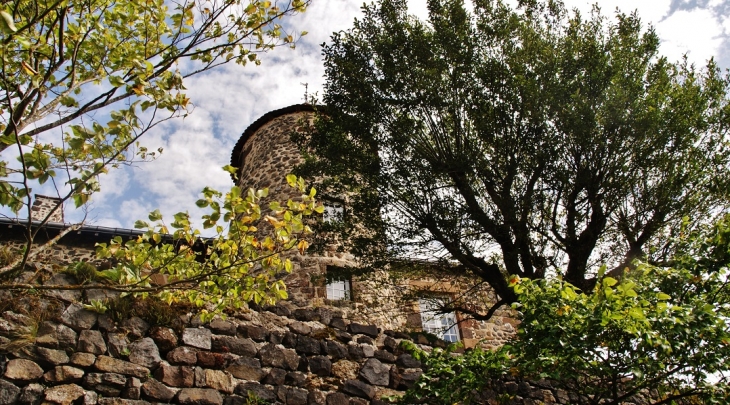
[[330, 343]]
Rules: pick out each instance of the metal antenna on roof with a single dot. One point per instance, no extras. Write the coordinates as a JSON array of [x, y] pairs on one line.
[[306, 92]]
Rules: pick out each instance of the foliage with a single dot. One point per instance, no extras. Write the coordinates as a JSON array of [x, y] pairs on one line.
[[241, 263], [664, 329], [451, 378], [151, 309], [83, 80], [84, 272], [527, 142]]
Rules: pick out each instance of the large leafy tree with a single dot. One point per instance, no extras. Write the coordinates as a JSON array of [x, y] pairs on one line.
[[516, 142], [81, 81]]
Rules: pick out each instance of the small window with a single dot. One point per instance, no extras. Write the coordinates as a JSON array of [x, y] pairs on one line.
[[338, 286], [338, 290], [442, 325], [333, 211]]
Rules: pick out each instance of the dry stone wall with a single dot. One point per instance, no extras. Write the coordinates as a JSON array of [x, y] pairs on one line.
[[275, 355]]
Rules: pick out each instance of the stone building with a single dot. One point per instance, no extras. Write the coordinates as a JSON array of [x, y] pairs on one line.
[[264, 155]]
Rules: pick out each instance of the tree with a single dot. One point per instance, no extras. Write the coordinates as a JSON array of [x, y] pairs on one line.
[[239, 264], [660, 333], [522, 142], [83, 80]]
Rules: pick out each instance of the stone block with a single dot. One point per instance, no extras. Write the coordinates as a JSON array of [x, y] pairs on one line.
[[117, 344], [63, 374], [375, 373], [211, 360], [358, 389], [93, 380], [145, 353], [295, 378], [295, 396], [306, 314], [407, 361], [342, 336], [355, 352], [165, 338], [136, 327], [63, 295], [218, 380], [276, 377], [133, 389], [246, 368], [339, 323], [197, 337], [338, 398], [335, 350], [240, 346], [78, 318], [222, 327], [158, 391], [9, 393], [112, 365], [82, 359], [300, 328], [53, 356], [308, 345], [385, 356], [316, 397], [320, 365], [275, 356], [64, 394], [257, 333], [260, 391], [175, 376], [365, 340], [23, 370], [199, 396], [91, 341], [183, 355], [359, 329]]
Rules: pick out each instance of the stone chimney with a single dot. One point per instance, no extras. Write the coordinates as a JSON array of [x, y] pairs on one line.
[[43, 205]]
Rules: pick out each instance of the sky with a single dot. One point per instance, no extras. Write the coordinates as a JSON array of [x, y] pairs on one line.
[[228, 99]]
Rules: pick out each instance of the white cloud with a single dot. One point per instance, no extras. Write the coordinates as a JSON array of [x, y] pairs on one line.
[[695, 32]]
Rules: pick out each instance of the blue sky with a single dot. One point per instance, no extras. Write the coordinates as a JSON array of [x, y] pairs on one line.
[[228, 99]]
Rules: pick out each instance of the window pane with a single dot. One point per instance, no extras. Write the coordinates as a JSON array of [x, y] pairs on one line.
[[441, 325], [338, 290], [332, 211]]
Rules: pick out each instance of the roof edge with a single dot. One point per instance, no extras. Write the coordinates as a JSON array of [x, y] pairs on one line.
[[264, 119]]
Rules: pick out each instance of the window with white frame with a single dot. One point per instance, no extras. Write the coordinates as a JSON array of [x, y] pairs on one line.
[[333, 211], [338, 288], [443, 325]]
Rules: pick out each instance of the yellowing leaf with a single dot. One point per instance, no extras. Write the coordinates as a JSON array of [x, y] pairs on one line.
[[7, 23], [28, 69], [302, 246]]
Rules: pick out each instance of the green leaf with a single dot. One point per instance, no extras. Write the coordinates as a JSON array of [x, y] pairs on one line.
[[139, 224], [609, 281], [155, 215]]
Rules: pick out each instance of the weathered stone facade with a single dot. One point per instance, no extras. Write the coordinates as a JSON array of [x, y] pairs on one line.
[[264, 156]]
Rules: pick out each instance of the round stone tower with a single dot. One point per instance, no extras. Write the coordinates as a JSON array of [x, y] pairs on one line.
[[264, 155]]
